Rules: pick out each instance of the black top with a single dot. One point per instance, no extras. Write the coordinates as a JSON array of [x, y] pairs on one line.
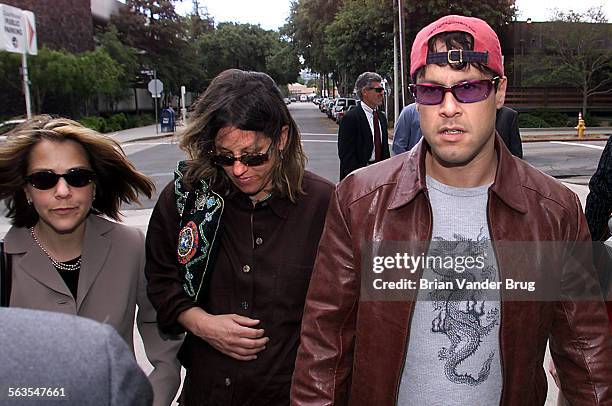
[[71, 278]]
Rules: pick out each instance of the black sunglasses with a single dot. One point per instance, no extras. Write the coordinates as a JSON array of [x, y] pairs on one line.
[[45, 180], [466, 92], [377, 89], [246, 159]]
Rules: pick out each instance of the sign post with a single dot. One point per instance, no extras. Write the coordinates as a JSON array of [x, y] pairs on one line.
[[18, 34], [183, 109], [156, 87]]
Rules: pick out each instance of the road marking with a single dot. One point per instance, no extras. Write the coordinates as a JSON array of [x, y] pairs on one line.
[[160, 174], [129, 144], [327, 135], [334, 141], [576, 144]]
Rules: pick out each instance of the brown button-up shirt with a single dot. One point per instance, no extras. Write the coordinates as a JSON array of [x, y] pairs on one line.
[[262, 271]]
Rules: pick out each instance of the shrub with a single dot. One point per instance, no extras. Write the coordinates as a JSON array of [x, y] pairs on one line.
[[590, 121], [530, 121], [117, 122], [95, 123]]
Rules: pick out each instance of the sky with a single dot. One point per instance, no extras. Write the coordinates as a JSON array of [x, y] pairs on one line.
[[271, 14]]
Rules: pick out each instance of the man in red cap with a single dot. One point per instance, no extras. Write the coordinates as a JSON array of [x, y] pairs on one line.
[[443, 273]]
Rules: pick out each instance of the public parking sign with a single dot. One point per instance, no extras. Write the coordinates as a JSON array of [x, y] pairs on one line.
[[17, 30]]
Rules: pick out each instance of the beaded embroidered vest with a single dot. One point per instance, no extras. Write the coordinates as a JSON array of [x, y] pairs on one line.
[[200, 210]]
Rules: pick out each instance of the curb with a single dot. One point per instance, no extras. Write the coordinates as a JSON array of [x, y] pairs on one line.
[[148, 138], [572, 138]]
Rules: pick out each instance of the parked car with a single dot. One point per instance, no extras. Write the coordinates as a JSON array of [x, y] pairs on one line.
[[342, 105], [323, 104], [330, 107], [8, 125], [287, 100]]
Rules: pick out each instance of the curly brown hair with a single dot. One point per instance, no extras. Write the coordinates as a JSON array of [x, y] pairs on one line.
[[249, 101], [117, 180]]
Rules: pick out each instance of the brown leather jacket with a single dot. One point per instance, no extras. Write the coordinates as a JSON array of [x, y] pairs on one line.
[[352, 351]]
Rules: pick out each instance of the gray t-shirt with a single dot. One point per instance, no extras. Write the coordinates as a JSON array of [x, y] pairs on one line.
[[453, 350]]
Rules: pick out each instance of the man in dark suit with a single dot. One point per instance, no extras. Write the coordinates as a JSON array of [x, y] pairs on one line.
[[506, 124], [362, 136]]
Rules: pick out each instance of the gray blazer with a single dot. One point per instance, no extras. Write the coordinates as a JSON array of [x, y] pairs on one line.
[[84, 360], [111, 284]]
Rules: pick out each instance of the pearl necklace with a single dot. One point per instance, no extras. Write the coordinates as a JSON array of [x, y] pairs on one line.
[[59, 265]]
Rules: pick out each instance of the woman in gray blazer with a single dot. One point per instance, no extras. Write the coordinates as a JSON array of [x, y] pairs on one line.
[[58, 178]]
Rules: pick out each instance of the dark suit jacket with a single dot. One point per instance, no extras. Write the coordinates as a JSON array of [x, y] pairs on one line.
[[355, 140], [506, 124]]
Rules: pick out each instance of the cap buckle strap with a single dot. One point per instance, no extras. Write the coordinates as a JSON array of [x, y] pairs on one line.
[[455, 61]]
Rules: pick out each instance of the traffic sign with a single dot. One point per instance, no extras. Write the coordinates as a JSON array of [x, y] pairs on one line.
[[156, 87], [17, 30]]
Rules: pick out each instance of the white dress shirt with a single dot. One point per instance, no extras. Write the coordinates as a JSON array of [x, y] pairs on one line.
[[370, 116]]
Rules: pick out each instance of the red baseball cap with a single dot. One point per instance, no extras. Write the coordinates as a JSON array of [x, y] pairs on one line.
[[487, 49]]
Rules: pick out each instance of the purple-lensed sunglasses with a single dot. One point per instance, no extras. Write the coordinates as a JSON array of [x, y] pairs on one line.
[[466, 92]]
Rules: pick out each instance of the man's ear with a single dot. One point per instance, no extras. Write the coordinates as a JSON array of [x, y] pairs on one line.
[[500, 95]]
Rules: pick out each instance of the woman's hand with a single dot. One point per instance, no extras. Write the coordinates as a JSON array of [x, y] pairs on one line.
[[231, 334]]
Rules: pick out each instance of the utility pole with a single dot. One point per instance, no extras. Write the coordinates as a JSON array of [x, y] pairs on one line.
[[402, 53], [396, 81]]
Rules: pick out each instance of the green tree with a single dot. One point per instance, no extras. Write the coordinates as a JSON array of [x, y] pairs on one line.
[[55, 78], [283, 63], [159, 35], [125, 56], [98, 75], [306, 26], [12, 100], [360, 39], [573, 54], [248, 47]]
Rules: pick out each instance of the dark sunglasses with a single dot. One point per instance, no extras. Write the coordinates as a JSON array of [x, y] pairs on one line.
[[377, 89], [466, 92], [246, 159], [45, 180]]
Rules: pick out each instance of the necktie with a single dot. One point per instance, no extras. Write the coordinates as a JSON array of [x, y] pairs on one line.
[[377, 140]]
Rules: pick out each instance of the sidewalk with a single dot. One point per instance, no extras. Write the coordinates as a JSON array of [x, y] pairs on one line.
[[141, 134]]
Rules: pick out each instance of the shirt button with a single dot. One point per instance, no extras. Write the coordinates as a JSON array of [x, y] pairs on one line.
[[246, 269], [244, 305], [259, 241], [228, 382]]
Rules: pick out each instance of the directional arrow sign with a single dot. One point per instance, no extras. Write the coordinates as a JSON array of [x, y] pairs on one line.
[[17, 30]]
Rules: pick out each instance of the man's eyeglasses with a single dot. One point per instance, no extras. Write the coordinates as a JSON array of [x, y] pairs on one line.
[[466, 92], [45, 180], [246, 159], [377, 89]]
